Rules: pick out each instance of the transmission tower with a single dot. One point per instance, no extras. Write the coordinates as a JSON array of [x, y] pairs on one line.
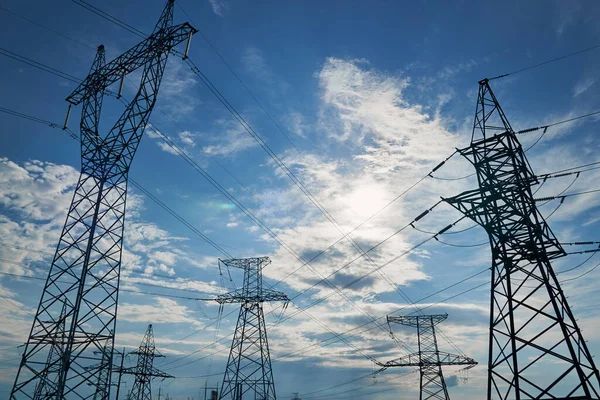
[[536, 349], [144, 371], [429, 359], [81, 290], [248, 374]]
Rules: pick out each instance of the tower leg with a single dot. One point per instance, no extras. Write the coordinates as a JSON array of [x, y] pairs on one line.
[[248, 373]]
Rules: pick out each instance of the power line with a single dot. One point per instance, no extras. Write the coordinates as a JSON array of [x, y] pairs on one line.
[[120, 289], [582, 275], [45, 27], [281, 165], [338, 336], [546, 62], [333, 286], [35, 64], [563, 196], [346, 236], [524, 131], [110, 18], [260, 105]]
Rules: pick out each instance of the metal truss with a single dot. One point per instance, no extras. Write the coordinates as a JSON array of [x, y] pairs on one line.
[[248, 374], [429, 359], [81, 290], [536, 349], [144, 371]]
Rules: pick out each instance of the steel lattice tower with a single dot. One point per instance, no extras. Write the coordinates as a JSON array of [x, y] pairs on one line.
[[144, 371], [248, 374], [81, 290], [536, 349], [429, 358]]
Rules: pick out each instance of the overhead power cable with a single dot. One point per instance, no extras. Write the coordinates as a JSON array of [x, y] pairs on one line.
[[35, 64], [524, 131], [563, 196], [137, 185], [22, 276], [545, 127], [237, 77], [110, 18], [546, 62], [12, 12], [333, 286], [326, 214], [582, 275], [261, 143], [339, 336]]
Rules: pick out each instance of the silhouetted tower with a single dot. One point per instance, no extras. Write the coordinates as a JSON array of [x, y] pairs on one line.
[[536, 350], [248, 374], [144, 371], [429, 358], [81, 291]]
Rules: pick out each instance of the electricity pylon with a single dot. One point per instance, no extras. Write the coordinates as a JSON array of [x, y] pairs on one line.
[[248, 374], [429, 358], [81, 290], [536, 349], [144, 371]]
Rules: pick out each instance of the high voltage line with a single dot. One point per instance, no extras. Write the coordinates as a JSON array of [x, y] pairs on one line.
[[346, 235], [273, 156], [384, 206], [528, 130], [259, 140]]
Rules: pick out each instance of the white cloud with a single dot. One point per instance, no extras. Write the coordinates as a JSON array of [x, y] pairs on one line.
[[583, 86], [296, 123], [219, 7], [162, 311], [187, 138], [254, 62], [232, 138]]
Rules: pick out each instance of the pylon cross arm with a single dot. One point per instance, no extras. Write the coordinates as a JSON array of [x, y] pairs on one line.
[[131, 60], [240, 296], [419, 359]]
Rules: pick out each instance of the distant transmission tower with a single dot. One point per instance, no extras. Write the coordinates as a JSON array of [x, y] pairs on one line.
[[144, 371], [536, 350], [248, 374], [82, 286], [429, 358]]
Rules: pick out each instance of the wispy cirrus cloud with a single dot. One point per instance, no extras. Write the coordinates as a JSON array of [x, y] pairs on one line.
[[219, 7]]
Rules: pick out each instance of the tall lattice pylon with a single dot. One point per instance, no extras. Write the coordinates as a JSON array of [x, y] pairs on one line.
[[536, 349], [248, 374], [81, 290], [429, 358], [144, 371]]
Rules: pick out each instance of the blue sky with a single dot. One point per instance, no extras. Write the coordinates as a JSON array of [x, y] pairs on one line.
[[372, 95]]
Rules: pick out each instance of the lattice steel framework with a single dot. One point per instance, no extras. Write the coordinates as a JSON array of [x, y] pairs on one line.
[[429, 358], [248, 374], [536, 349], [81, 290], [144, 371]]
